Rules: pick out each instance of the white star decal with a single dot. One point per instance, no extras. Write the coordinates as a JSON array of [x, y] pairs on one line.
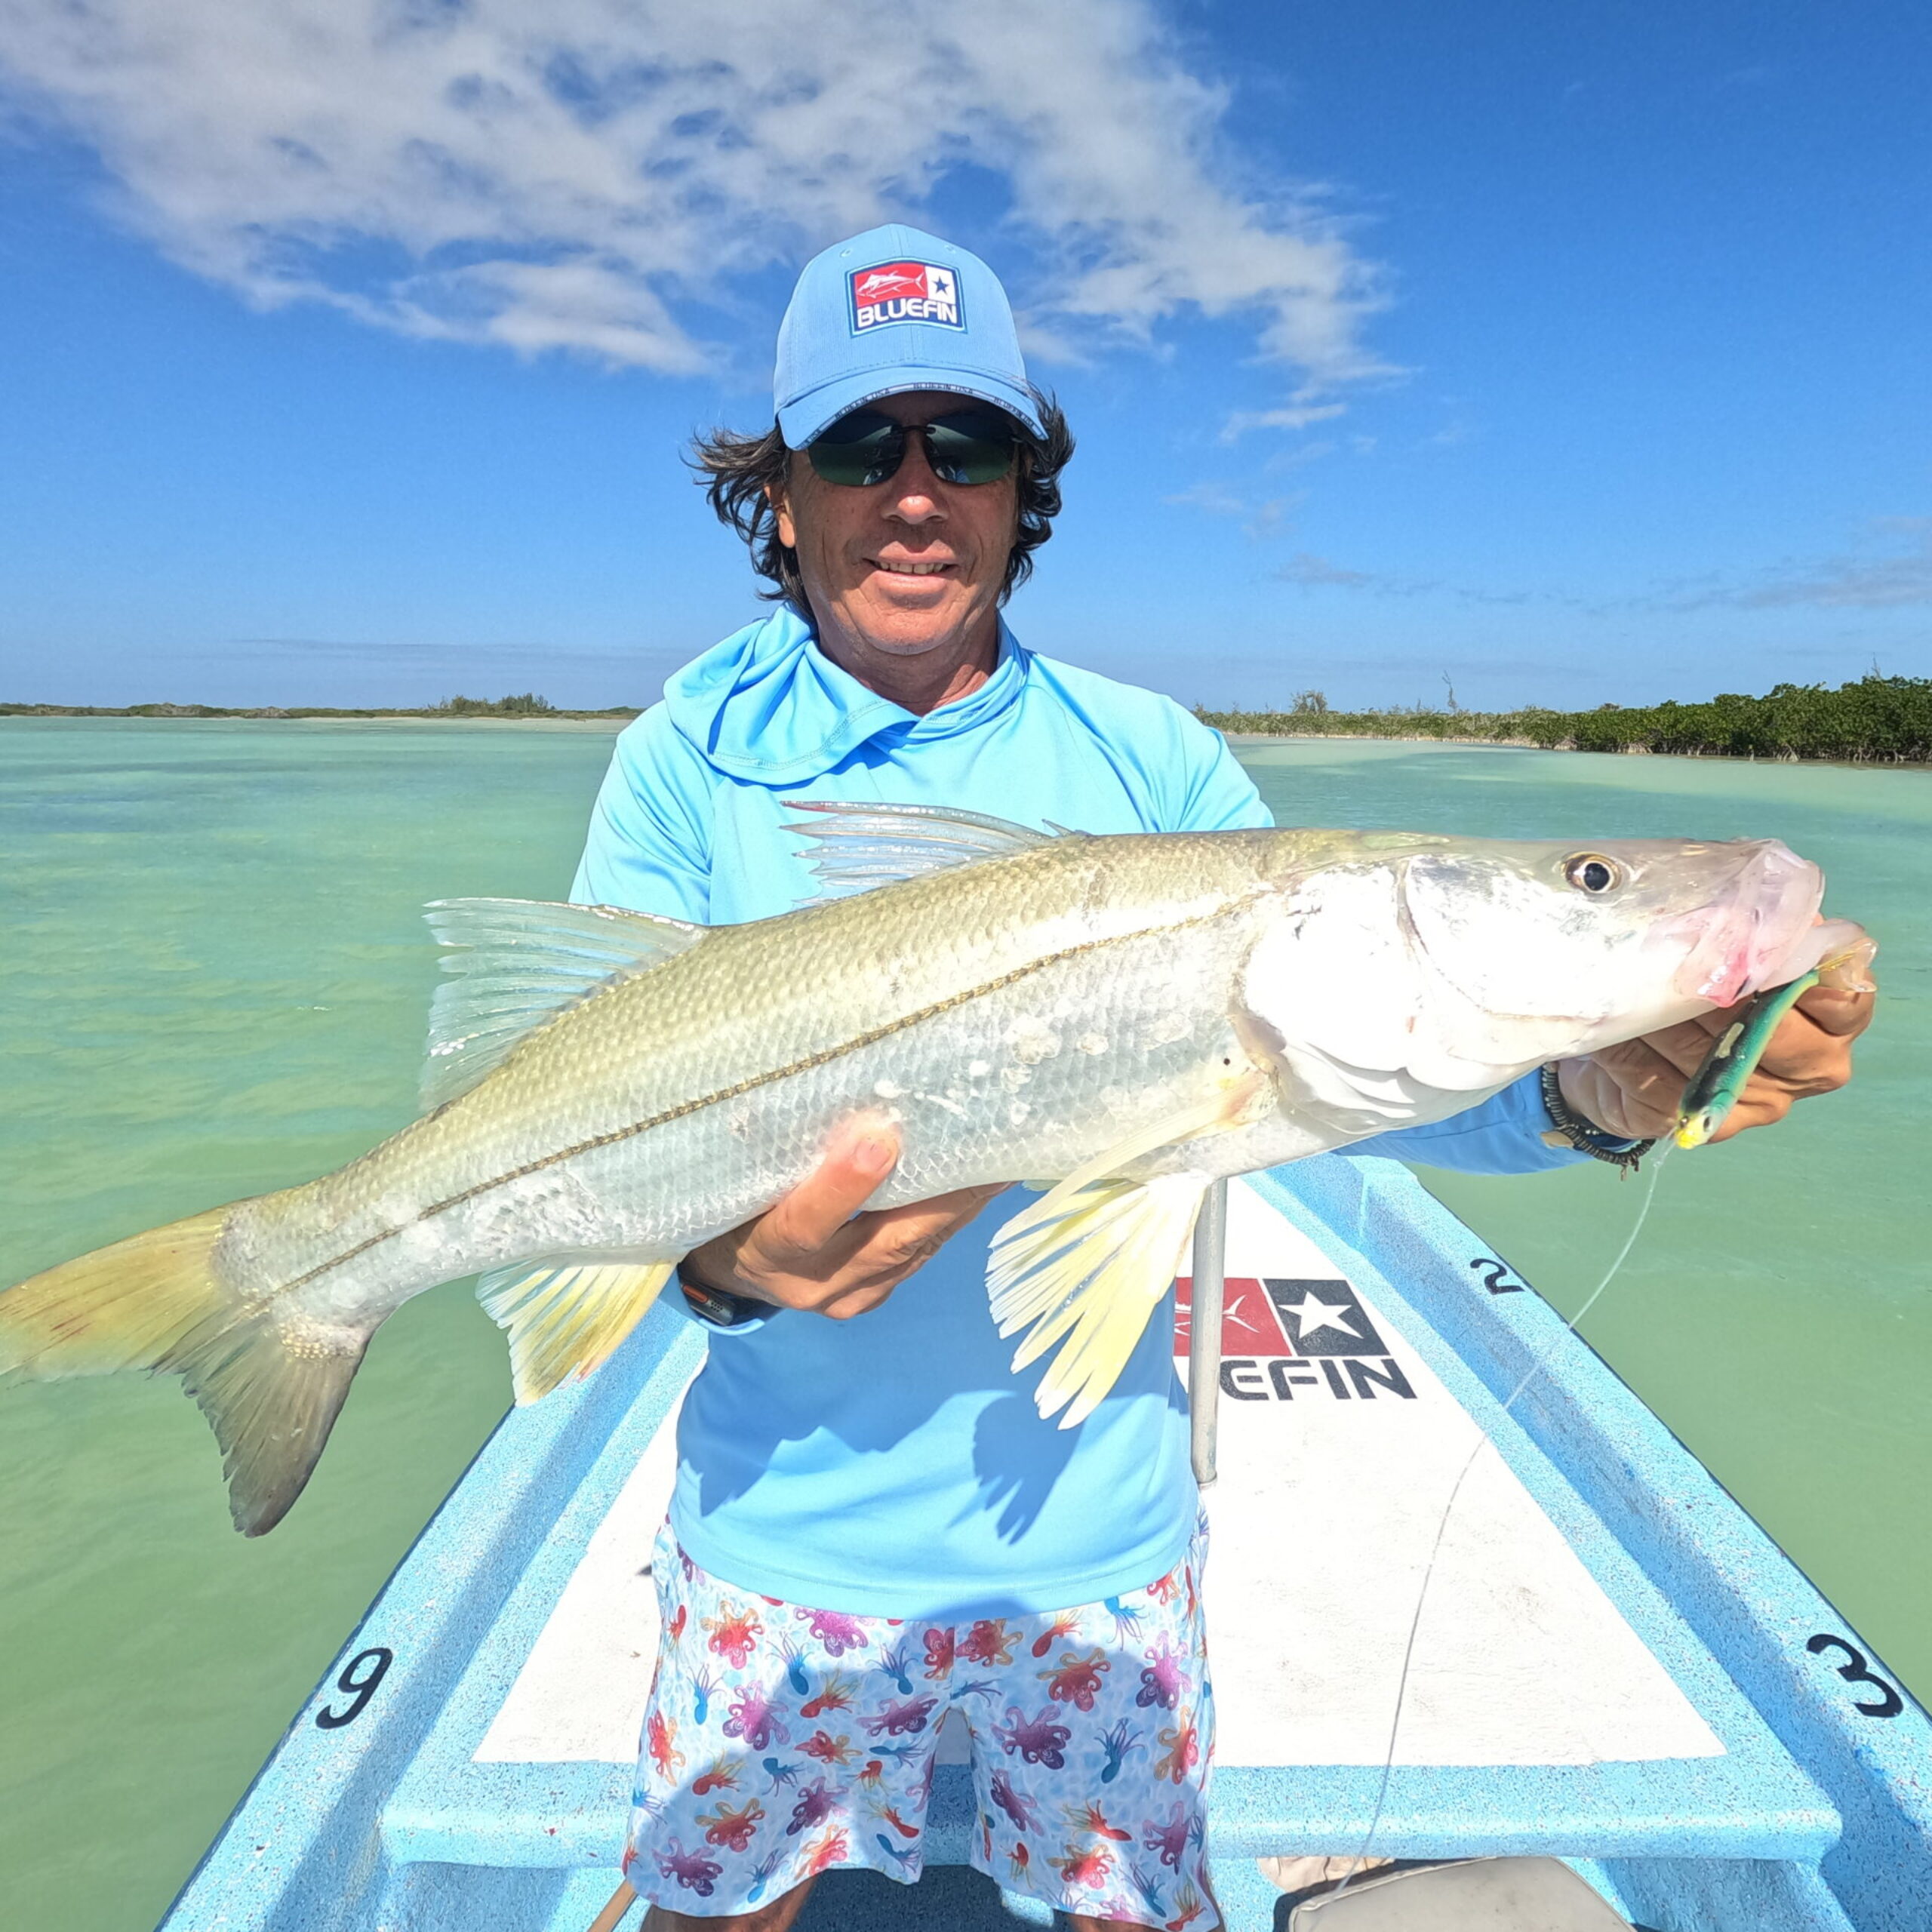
[[1312, 1313]]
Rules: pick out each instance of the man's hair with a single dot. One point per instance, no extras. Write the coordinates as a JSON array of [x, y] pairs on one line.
[[738, 473]]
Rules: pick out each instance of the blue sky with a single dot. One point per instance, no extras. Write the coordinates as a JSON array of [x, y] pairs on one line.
[[1577, 353]]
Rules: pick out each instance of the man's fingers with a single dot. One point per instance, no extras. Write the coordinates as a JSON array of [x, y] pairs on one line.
[[1842, 1015], [1760, 1105], [897, 1240], [1632, 1088], [877, 1251], [854, 1301], [1637, 1087], [1659, 1064], [811, 1219]]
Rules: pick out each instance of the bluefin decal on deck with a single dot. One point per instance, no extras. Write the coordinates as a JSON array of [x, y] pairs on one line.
[[1282, 1339]]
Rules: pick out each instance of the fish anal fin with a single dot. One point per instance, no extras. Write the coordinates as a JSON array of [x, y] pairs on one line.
[[565, 1318], [516, 964]]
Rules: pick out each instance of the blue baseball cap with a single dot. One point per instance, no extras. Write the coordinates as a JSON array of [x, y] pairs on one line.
[[893, 309]]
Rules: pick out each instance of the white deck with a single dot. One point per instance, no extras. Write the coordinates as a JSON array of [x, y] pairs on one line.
[[1333, 1485]]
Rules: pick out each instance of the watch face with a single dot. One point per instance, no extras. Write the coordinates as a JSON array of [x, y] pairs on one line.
[[714, 1305]]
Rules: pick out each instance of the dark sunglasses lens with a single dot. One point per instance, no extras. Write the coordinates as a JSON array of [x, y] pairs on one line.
[[863, 448], [973, 446], [970, 446]]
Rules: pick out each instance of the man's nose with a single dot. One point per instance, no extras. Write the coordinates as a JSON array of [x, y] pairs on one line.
[[914, 492]]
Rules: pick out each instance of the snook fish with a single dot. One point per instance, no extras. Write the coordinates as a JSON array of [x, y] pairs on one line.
[[1134, 1016]]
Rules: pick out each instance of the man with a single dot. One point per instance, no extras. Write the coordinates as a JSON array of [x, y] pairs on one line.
[[872, 1530]]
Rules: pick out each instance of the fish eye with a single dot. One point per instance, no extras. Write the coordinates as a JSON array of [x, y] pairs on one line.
[[1591, 872]]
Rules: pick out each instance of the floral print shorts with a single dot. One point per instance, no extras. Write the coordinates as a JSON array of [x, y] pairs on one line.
[[780, 1742]]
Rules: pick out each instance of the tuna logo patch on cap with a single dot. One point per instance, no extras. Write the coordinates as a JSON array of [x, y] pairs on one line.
[[904, 292]]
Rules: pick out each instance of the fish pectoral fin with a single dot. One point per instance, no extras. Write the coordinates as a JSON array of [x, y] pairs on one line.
[[517, 963], [1230, 1105], [1088, 1278], [857, 846], [567, 1318], [1089, 1260]]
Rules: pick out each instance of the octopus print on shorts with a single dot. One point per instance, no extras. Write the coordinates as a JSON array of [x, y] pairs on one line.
[[781, 1741]]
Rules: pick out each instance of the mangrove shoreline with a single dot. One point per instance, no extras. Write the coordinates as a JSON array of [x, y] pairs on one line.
[[1874, 720]]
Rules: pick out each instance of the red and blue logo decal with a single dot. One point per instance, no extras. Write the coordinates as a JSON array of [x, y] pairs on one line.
[[1275, 1334], [904, 292]]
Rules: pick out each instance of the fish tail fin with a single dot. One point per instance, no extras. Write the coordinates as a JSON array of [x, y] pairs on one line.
[[155, 1301], [122, 1307], [271, 1395]]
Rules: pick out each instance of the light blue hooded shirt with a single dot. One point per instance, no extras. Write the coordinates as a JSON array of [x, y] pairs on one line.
[[893, 1465]]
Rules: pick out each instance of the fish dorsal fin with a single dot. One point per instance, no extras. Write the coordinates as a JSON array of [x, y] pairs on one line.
[[858, 847], [516, 963], [566, 1317]]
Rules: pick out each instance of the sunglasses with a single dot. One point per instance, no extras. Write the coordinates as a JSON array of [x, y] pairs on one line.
[[970, 446]]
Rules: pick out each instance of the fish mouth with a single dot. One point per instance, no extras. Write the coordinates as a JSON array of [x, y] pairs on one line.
[[1765, 932]]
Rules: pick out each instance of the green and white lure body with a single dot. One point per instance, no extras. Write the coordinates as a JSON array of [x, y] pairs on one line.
[[1716, 1086]]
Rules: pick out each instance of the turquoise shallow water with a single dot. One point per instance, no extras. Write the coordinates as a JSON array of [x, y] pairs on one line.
[[214, 978]]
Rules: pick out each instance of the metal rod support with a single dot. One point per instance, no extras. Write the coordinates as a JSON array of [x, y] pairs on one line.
[[1203, 1348]]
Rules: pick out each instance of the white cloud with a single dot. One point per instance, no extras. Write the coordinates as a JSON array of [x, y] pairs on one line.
[[599, 175], [1212, 497], [1294, 416]]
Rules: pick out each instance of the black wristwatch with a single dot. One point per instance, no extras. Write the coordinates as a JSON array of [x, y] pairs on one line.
[[1568, 1128], [718, 1308]]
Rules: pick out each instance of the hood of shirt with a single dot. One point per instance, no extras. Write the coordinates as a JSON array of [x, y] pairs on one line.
[[768, 704]]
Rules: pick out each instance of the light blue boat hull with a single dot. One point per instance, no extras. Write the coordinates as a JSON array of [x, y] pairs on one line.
[[1778, 1781]]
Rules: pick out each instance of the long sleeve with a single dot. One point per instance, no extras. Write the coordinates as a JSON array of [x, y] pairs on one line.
[[648, 849], [1219, 795], [1501, 1136]]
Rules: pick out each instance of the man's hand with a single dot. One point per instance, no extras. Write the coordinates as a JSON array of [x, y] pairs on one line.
[[815, 1250], [1635, 1089]]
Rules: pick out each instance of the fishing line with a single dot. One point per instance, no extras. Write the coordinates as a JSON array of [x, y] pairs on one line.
[[1537, 1367]]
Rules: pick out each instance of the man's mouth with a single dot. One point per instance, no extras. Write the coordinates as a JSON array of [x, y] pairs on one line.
[[899, 567]]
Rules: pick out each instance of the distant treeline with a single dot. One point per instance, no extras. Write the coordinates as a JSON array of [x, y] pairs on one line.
[[1875, 718], [525, 704]]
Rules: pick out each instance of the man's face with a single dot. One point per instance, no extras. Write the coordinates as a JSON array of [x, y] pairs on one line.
[[905, 567]]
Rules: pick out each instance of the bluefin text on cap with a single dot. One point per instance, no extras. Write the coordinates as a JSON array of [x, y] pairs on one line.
[[904, 292]]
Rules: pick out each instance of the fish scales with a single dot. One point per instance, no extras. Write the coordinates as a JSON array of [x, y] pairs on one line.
[[1125, 1017], [833, 992]]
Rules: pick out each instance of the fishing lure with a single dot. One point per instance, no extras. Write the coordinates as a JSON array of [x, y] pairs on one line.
[[1732, 1058]]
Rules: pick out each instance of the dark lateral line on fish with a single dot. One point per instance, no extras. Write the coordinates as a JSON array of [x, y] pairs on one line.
[[805, 1065]]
